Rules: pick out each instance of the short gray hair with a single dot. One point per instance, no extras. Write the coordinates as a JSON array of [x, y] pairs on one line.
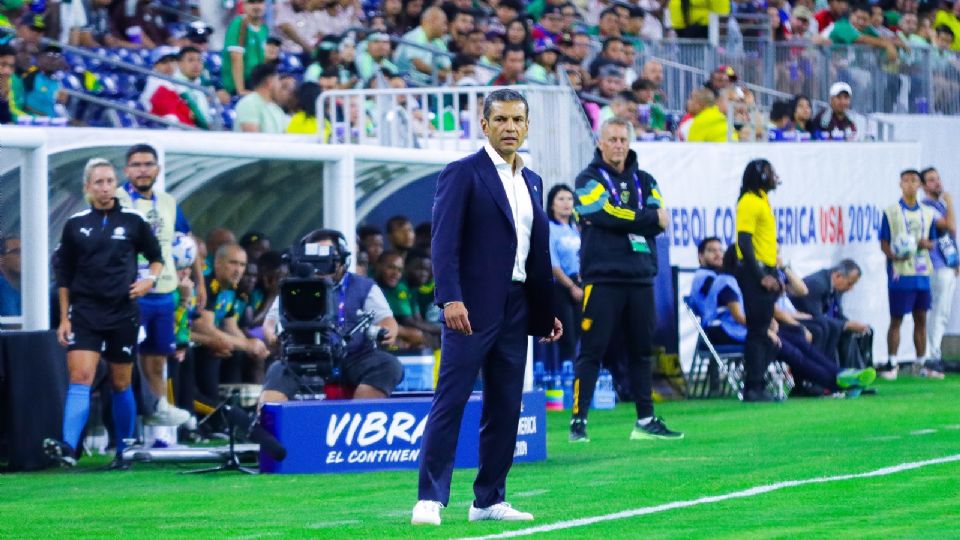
[[95, 163], [504, 95], [846, 267], [615, 121]]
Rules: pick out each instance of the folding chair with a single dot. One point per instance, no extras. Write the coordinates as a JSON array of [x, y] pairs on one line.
[[715, 371]]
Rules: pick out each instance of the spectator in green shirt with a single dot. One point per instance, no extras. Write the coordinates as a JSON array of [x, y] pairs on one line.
[[258, 111], [375, 57], [414, 331], [421, 63], [855, 29], [645, 91], [244, 47], [419, 277]]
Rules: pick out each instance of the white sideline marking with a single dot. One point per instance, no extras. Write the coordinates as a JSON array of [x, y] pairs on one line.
[[750, 492], [923, 431], [531, 493]]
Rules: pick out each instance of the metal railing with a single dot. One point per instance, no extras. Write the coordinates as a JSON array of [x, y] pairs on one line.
[[216, 119], [112, 108], [559, 141], [919, 80]]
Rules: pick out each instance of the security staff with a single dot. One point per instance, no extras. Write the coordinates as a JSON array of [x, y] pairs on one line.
[[757, 272], [98, 288], [622, 213]]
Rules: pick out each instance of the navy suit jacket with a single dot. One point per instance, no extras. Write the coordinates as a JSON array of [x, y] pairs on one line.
[[474, 245]]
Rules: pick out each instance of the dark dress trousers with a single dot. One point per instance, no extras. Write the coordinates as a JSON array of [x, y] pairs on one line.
[[474, 248]]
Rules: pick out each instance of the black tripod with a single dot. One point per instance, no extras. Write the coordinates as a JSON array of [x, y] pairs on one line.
[[232, 463]]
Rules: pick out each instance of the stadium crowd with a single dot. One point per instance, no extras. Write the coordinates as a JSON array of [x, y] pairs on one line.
[[266, 64]]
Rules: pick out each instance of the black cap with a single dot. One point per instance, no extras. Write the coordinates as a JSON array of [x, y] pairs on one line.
[[198, 32], [273, 40]]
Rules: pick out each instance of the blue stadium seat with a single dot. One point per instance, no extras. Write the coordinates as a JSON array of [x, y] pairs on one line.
[[214, 63], [129, 85], [291, 63], [110, 86], [72, 82], [229, 116]]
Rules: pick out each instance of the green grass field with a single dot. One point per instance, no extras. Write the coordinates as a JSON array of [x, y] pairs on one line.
[[729, 447]]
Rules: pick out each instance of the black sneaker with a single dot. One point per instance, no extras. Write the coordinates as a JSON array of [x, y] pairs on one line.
[[118, 464], [759, 396], [578, 430], [654, 429], [60, 452]]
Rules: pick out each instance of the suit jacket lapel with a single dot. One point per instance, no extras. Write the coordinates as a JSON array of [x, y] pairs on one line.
[[491, 179]]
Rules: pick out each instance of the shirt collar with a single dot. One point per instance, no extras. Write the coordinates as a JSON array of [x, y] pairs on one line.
[[134, 194], [905, 206], [498, 161]]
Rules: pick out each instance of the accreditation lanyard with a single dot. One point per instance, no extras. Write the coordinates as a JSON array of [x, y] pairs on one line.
[[906, 223], [342, 304], [611, 186], [134, 194]]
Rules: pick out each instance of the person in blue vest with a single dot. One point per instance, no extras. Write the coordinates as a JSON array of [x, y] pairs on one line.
[[716, 298], [908, 233], [374, 372]]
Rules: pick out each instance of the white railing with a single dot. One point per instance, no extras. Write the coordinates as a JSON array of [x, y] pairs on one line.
[[448, 118]]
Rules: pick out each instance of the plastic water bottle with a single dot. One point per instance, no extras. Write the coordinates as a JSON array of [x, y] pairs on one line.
[[566, 377], [554, 392], [539, 376], [604, 397], [465, 124]]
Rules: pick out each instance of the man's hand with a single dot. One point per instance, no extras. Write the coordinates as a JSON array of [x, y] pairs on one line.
[[141, 288], [770, 283], [807, 335], [65, 332], [926, 243], [663, 218], [257, 348], [555, 333], [186, 289], [456, 317], [390, 339], [576, 293], [856, 326]]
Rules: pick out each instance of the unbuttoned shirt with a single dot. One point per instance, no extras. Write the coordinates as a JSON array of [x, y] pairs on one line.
[[521, 208]]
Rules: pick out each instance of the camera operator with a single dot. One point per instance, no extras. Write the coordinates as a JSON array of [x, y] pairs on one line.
[[374, 372]]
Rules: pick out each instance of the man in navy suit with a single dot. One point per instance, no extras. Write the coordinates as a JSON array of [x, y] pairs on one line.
[[491, 262]]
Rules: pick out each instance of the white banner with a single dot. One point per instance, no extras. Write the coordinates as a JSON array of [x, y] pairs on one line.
[[829, 207]]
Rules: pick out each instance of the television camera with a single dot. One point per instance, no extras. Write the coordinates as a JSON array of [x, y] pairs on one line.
[[313, 338]]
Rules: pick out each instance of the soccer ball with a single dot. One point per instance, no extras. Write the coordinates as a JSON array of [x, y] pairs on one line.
[[184, 250], [904, 245]]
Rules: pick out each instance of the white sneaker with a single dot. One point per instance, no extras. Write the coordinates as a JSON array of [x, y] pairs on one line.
[[890, 374], [426, 513], [167, 415], [498, 512]]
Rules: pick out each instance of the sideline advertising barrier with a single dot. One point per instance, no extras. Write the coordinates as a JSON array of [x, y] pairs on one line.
[[382, 435], [828, 207]]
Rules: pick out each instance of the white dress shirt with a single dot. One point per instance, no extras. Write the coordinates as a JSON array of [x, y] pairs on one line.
[[521, 207]]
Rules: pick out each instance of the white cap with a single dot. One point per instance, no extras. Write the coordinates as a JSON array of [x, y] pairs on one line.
[[838, 87]]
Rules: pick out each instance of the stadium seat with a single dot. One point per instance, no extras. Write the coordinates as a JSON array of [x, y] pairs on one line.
[[129, 86], [72, 82], [213, 63]]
